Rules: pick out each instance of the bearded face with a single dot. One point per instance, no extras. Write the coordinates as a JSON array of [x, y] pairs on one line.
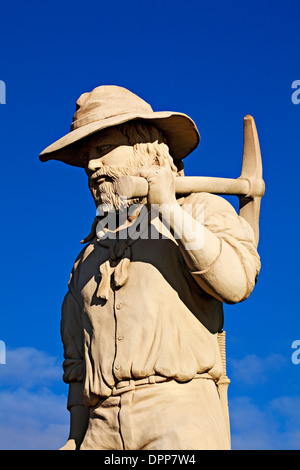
[[114, 154], [101, 185]]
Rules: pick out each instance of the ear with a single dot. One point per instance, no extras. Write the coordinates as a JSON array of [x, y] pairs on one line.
[[180, 167]]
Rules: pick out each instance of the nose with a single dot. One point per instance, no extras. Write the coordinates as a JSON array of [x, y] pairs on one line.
[[94, 164]]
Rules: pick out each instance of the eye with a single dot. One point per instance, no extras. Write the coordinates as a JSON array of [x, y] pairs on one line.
[[103, 148], [85, 158]]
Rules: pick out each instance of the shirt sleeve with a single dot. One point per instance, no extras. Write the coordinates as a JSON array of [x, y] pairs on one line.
[[237, 242], [72, 338]]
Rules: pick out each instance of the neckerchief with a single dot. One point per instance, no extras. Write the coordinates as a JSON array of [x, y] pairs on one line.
[[118, 262]]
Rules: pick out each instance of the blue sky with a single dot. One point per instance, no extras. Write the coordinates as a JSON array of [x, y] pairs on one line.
[[215, 61]]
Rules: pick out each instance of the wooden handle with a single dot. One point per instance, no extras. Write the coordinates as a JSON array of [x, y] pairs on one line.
[[134, 186]]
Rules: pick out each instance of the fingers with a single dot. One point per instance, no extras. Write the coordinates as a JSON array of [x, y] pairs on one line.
[[152, 172], [145, 172], [161, 184]]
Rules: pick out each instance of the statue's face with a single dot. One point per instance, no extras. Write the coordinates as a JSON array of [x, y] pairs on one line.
[[107, 157], [111, 147]]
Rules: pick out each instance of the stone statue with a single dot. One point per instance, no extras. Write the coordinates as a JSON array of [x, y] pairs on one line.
[[144, 308]]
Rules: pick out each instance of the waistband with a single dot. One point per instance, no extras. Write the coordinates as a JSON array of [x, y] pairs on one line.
[[128, 385]]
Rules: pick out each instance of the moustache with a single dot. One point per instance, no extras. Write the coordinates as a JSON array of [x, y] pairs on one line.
[[113, 172], [107, 175], [103, 173]]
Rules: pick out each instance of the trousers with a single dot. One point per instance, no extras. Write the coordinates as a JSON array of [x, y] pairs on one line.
[[160, 416]]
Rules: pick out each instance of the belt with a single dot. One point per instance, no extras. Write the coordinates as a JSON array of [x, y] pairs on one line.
[[128, 385]]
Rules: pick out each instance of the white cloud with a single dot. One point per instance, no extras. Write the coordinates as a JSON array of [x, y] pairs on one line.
[[32, 415], [288, 408], [252, 369], [32, 420], [251, 427], [270, 426], [29, 367], [269, 421]]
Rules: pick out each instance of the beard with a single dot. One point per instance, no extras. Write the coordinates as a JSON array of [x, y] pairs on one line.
[[104, 193], [144, 155]]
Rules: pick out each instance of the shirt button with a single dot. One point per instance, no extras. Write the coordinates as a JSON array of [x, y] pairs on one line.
[[117, 366], [120, 337], [118, 306]]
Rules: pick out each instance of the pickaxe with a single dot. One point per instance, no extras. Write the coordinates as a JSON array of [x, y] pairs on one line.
[[249, 187]]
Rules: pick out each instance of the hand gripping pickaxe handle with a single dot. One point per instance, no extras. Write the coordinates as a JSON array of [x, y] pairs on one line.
[[249, 187]]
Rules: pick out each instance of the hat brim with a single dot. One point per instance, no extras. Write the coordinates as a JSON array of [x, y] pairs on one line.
[[180, 131]]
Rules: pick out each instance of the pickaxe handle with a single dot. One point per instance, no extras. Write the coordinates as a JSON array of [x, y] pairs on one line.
[[135, 186], [249, 187]]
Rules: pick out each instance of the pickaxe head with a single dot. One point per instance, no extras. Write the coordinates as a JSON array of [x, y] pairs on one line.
[[252, 172]]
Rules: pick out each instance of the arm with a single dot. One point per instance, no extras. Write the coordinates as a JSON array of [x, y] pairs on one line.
[[72, 337], [220, 263], [214, 263], [79, 417]]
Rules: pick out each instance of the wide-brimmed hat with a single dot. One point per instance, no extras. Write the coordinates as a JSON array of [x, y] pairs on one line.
[[107, 106]]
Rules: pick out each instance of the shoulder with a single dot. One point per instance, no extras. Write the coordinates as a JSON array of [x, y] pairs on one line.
[[87, 253], [211, 203], [218, 215], [84, 253]]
